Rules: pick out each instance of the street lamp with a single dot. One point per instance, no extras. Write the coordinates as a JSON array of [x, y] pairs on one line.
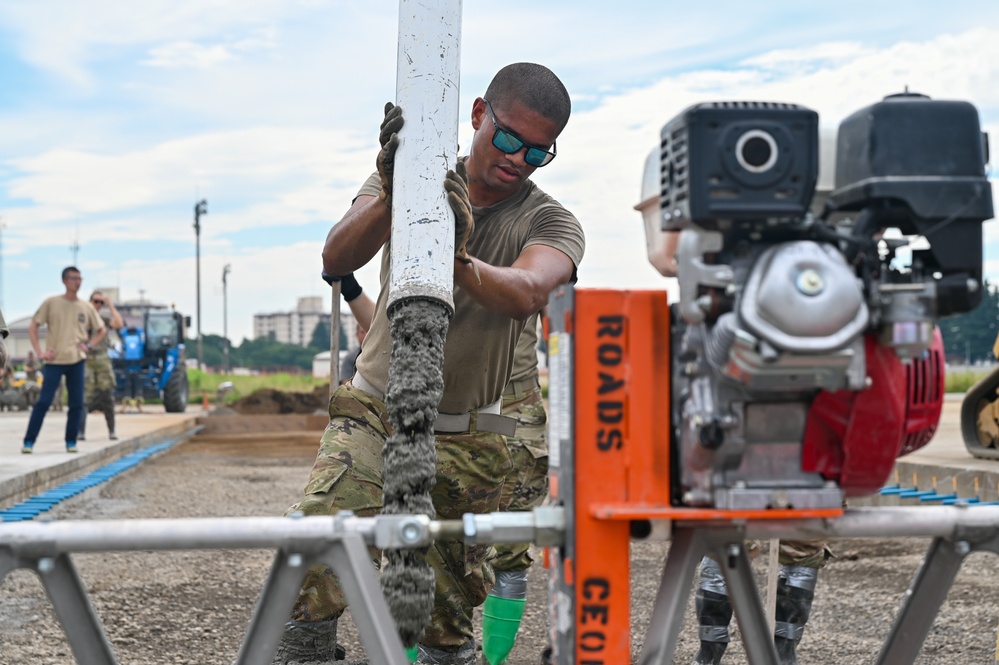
[[225, 319], [200, 208]]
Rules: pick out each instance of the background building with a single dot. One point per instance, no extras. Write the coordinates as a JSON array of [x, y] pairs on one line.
[[297, 327]]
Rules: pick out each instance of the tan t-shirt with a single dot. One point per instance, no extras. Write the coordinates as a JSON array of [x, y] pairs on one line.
[[479, 351], [68, 322], [525, 357]]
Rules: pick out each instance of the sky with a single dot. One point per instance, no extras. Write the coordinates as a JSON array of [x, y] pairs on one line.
[[116, 118]]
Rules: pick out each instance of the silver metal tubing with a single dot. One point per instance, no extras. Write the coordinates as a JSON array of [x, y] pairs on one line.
[[951, 522]]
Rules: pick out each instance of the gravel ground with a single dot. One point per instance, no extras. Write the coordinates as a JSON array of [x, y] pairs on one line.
[[193, 607]]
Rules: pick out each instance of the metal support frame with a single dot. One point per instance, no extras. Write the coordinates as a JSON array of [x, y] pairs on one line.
[[956, 530], [689, 546], [341, 541]]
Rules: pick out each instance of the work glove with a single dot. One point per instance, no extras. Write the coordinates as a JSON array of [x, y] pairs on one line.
[[349, 288], [388, 137], [456, 186]]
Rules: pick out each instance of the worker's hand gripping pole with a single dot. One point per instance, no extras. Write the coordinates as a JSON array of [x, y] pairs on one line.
[[422, 263], [421, 281]]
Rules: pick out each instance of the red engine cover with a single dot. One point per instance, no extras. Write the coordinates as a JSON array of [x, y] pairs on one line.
[[854, 438]]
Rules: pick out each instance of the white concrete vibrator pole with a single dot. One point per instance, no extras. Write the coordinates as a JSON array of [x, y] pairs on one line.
[[421, 281], [427, 90]]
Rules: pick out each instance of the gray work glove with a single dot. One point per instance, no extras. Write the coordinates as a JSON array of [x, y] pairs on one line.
[[456, 186], [388, 137]]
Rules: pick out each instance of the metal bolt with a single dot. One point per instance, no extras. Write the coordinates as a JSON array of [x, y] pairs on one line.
[[962, 547], [810, 282], [779, 499], [295, 561], [468, 525], [733, 551], [46, 564], [409, 532]]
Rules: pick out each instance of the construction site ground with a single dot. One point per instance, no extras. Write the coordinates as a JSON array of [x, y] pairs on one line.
[[193, 607]]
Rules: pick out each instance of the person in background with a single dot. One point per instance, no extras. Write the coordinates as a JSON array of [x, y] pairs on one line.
[[99, 380], [363, 309], [67, 343]]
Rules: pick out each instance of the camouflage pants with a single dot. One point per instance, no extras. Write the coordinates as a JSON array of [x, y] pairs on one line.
[[471, 468], [807, 553], [527, 486], [98, 389]]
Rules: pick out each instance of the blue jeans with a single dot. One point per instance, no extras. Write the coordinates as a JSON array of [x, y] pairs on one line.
[[51, 377]]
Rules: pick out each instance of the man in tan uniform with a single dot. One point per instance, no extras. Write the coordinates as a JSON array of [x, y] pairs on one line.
[[66, 345], [524, 245]]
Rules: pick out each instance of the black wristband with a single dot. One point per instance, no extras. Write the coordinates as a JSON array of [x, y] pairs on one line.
[[349, 288]]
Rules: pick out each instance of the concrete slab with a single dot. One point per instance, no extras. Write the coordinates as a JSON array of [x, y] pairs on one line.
[[944, 467], [24, 475]]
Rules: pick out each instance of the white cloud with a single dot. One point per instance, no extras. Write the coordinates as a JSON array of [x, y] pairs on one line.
[[188, 54], [271, 175], [599, 169], [270, 110]]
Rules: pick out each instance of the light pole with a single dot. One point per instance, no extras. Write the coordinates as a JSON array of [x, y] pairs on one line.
[[200, 208], [225, 319]]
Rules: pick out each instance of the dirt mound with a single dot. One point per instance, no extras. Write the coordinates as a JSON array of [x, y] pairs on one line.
[[268, 401]]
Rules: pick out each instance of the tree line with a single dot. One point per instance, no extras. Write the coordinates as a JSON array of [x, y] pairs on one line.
[[264, 353], [969, 337]]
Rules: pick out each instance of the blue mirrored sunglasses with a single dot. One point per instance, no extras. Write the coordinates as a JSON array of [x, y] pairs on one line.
[[506, 141]]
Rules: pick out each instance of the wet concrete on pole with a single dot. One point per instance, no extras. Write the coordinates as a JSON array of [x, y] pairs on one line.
[[415, 388]]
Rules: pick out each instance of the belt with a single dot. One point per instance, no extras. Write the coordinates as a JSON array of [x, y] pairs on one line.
[[522, 387], [359, 381], [485, 419]]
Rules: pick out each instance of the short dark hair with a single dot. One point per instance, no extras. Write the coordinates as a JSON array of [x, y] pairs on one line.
[[533, 85], [69, 269]]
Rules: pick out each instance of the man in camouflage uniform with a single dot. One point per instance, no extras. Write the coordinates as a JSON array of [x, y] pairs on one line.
[[31, 386], [800, 561], [99, 381], [524, 490], [7, 394], [523, 245]]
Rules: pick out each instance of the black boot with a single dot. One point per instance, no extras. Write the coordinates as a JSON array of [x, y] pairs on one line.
[[714, 612], [304, 642], [795, 592]]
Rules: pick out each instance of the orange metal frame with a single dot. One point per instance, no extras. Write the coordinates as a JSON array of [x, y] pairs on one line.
[[620, 458]]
